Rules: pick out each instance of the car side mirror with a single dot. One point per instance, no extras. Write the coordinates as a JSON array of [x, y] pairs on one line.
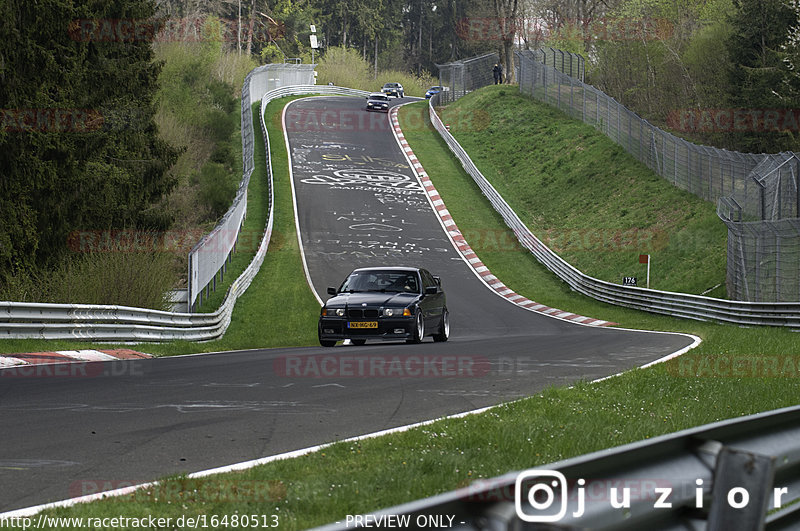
[[331, 291], [431, 290]]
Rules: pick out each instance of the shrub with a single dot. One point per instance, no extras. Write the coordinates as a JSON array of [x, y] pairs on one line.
[[224, 154], [131, 270], [346, 68], [218, 125], [217, 188]]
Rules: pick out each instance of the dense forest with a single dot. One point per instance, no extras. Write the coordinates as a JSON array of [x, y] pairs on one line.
[[86, 142]]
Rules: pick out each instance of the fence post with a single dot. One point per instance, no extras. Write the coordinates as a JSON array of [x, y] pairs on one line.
[[558, 98], [740, 469], [583, 110]]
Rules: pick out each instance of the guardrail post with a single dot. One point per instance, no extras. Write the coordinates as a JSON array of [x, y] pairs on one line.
[[741, 490]]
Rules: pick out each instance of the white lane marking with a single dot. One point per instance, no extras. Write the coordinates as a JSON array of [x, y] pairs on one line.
[[294, 203]]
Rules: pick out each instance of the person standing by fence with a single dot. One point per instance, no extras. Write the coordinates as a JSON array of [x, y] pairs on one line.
[[497, 72]]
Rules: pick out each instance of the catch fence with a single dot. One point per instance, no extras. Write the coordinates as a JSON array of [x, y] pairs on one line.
[[209, 258], [756, 189], [462, 77]]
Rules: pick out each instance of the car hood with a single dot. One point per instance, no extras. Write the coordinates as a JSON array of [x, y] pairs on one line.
[[372, 298]]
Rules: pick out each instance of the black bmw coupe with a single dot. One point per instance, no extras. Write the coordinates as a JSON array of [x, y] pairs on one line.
[[386, 303]]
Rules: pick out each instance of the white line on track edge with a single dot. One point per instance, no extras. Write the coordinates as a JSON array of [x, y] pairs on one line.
[[294, 201]]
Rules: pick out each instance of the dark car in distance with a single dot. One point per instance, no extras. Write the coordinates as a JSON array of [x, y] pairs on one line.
[[433, 90], [386, 303], [378, 101], [393, 89]]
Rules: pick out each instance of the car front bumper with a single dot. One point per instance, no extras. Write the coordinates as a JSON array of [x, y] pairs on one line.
[[389, 328]]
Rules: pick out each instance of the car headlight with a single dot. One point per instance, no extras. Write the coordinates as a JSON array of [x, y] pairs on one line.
[[396, 312], [339, 312], [330, 312]]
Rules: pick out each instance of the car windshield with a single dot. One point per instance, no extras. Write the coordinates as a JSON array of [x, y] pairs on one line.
[[380, 97], [382, 281]]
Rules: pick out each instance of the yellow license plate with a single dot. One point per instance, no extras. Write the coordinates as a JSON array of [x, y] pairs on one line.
[[363, 324]]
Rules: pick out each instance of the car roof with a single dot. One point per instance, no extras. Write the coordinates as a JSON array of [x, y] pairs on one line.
[[391, 84], [377, 94]]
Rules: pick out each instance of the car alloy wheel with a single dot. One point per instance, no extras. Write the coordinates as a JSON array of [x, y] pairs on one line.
[[444, 327], [419, 328]]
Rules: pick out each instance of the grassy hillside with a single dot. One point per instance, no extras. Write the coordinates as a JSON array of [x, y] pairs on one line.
[[586, 197]]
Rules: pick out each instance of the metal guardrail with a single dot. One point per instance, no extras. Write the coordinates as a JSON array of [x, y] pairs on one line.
[[21, 320], [764, 185], [699, 472], [209, 256], [665, 302]]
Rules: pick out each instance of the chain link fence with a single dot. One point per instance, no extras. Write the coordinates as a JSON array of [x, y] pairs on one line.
[[758, 190], [764, 232], [462, 77], [571, 64]]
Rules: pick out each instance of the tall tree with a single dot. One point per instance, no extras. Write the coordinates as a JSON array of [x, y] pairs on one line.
[[506, 13], [79, 149], [761, 76]]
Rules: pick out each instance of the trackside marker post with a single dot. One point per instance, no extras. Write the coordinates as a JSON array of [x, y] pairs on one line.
[[645, 259]]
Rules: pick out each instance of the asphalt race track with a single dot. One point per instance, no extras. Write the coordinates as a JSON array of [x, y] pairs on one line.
[[108, 425]]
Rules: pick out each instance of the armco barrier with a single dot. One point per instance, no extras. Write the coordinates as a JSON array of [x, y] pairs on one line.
[[21, 320], [694, 479], [664, 302], [212, 253]]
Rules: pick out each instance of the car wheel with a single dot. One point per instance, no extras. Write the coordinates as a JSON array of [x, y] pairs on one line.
[[358, 342], [444, 328], [419, 329]]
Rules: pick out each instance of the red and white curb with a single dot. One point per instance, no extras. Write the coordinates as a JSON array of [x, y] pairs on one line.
[[466, 251], [69, 356]]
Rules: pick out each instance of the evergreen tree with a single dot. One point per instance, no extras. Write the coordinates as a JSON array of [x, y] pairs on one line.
[[760, 76], [79, 149]]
